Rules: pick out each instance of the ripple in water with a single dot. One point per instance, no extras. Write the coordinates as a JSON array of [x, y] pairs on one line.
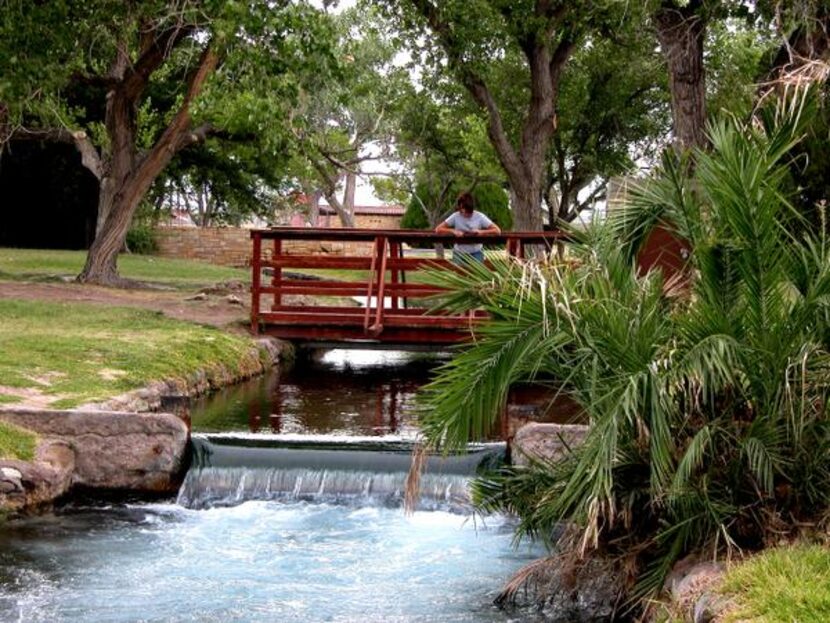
[[259, 561]]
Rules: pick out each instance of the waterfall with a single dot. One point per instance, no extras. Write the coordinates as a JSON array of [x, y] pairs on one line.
[[228, 470]]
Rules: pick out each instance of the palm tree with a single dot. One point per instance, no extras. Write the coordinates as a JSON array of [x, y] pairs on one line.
[[708, 411]]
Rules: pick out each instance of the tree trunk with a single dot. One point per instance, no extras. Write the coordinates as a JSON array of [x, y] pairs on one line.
[[349, 192], [681, 32], [547, 47], [101, 261], [526, 199], [314, 208], [128, 175]]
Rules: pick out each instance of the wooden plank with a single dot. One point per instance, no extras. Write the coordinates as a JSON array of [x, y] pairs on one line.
[[402, 235], [319, 261]]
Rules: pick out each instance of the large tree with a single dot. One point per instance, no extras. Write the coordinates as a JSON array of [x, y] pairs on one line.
[[346, 121], [226, 67], [613, 114], [476, 38]]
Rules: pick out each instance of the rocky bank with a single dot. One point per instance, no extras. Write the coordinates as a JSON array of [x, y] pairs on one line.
[[101, 450], [121, 445]]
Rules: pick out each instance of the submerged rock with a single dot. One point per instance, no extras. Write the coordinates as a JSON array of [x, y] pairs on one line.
[[547, 442], [585, 591]]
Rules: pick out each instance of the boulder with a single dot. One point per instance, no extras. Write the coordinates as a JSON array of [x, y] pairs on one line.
[[547, 442], [587, 591], [110, 450], [692, 586], [28, 485]]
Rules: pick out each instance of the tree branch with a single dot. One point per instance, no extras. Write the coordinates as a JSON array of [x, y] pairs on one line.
[[176, 135], [90, 158], [153, 53], [476, 86]]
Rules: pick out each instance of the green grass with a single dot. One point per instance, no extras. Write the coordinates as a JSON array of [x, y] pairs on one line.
[[787, 584], [76, 353], [28, 264], [16, 443]]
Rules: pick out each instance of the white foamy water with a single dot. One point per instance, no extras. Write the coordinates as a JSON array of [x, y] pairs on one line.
[[258, 561]]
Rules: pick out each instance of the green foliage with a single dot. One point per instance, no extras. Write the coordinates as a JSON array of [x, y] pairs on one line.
[[428, 206], [781, 584], [181, 72], [612, 111], [707, 405], [141, 239]]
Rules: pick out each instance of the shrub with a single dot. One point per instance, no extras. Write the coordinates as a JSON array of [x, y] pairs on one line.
[[141, 239], [707, 401]]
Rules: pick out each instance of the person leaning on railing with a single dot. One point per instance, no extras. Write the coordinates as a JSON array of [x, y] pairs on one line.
[[466, 221]]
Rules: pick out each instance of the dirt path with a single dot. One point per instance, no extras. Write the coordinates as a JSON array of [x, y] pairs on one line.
[[219, 307]]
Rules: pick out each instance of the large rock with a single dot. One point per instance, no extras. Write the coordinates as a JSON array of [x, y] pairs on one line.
[[29, 485], [561, 591], [548, 442], [692, 587], [111, 450]]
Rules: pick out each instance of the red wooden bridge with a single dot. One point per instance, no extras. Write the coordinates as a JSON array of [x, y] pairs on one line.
[[367, 303]]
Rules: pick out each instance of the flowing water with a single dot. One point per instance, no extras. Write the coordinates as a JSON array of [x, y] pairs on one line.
[[257, 561], [276, 528]]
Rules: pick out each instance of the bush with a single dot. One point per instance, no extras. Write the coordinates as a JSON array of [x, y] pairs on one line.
[[707, 400], [141, 239]]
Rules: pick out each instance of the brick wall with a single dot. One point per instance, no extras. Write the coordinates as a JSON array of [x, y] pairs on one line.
[[228, 246], [231, 246]]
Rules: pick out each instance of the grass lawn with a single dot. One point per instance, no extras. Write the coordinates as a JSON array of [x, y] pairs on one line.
[[781, 584], [66, 354], [32, 264], [16, 443]]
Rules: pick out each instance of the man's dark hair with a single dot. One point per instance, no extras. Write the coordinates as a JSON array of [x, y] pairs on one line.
[[465, 202]]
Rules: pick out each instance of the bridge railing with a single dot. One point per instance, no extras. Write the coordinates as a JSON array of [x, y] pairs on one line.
[[376, 267]]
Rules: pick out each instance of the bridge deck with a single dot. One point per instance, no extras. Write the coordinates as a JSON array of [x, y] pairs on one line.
[[381, 275]]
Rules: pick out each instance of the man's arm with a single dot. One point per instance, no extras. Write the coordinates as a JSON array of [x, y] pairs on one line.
[[445, 228], [491, 229]]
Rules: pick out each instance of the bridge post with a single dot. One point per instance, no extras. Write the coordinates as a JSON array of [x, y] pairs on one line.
[[256, 268], [383, 254], [276, 276], [395, 252]]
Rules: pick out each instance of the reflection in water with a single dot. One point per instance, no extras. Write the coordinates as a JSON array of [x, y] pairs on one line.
[[344, 392]]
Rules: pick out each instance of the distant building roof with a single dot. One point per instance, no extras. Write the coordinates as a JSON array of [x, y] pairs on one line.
[[388, 210]]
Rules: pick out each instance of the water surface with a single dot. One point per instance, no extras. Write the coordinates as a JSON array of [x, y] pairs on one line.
[[340, 392], [258, 561]]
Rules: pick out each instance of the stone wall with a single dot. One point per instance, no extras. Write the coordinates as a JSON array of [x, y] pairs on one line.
[[227, 246], [363, 221], [231, 246]]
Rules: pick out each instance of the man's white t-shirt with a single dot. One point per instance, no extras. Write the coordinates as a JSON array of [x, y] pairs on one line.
[[475, 222]]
